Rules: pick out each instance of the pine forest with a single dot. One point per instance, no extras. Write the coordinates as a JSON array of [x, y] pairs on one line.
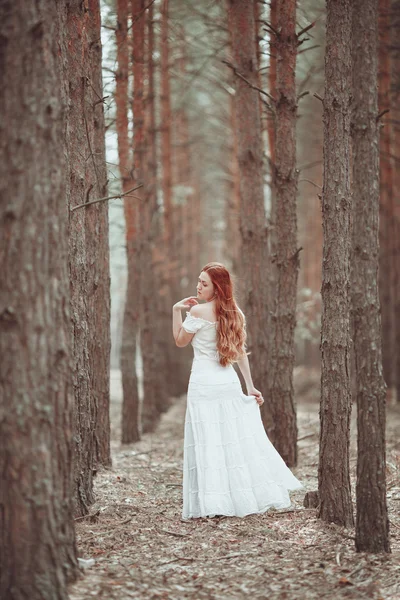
[[143, 141]]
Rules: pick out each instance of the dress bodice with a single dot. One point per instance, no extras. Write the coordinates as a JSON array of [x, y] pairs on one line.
[[204, 341]]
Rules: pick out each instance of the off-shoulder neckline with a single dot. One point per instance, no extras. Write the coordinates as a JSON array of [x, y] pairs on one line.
[[201, 319]]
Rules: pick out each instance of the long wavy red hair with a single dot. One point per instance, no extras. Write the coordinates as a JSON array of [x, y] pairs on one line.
[[231, 327]]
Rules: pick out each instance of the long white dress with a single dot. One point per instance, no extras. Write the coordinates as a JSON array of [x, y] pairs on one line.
[[230, 467]]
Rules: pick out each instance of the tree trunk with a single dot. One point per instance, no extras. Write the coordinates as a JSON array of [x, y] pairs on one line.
[[37, 539], [271, 121], [333, 472], [232, 233], [372, 524], [81, 181], [386, 229], [253, 229], [97, 264], [147, 211], [395, 103], [130, 424], [169, 266], [155, 227], [286, 255], [165, 127]]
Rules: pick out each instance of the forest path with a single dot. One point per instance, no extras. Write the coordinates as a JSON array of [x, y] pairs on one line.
[[142, 548]]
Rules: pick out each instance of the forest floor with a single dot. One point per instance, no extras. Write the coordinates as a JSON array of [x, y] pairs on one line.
[[139, 547]]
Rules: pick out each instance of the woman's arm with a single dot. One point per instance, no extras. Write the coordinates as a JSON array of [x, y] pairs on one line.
[[182, 337], [244, 367]]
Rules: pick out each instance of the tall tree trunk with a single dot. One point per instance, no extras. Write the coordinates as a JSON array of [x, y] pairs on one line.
[[157, 304], [130, 424], [168, 268], [386, 200], [165, 128], [81, 179], [271, 122], [97, 264], [37, 539], [395, 103], [286, 255], [372, 523], [333, 471], [232, 233], [147, 212], [253, 228]]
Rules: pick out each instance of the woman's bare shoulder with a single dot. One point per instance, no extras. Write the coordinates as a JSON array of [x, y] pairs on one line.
[[202, 311]]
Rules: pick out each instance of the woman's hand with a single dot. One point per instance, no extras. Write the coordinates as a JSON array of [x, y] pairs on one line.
[[254, 392], [186, 303]]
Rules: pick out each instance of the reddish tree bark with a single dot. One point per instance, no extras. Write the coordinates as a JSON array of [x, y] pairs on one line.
[[395, 121], [81, 180], [286, 255], [147, 212], [372, 523], [158, 325], [272, 85], [333, 471], [37, 539], [386, 227], [130, 425], [254, 236], [232, 233], [97, 264], [165, 127]]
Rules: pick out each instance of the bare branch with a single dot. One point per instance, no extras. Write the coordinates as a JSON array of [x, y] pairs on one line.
[[254, 87], [118, 196], [383, 112], [272, 29], [309, 48], [305, 29], [312, 182], [302, 95]]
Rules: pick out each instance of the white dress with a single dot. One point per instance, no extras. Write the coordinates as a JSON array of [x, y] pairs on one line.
[[230, 467]]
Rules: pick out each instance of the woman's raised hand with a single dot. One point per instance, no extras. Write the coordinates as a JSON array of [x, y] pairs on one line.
[[186, 303]]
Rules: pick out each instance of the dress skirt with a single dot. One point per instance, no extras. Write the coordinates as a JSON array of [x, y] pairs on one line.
[[230, 467]]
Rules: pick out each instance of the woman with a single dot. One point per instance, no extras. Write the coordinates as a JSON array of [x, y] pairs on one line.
[[229, 466]]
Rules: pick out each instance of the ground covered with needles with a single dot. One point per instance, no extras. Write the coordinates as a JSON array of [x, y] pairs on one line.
[[135, 545]]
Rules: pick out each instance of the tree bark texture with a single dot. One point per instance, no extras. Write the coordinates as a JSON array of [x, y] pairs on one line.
[[160, 329], [165, 126], [81, 183], [37, 539], [395, 103], [175, 379], [130, 424], [372, 523], [271, 121], [253, 228], [333, 471], [386, 221], [232, 233], [147, 210], [285, 259], [97, 264]]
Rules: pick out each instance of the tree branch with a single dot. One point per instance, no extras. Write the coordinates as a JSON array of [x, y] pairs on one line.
[[305, 29], [254, 87], [383, 112], [302, 95], [118, 196], [312, 182]]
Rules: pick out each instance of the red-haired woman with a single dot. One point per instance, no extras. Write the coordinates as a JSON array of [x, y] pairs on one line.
[[229, 466]]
